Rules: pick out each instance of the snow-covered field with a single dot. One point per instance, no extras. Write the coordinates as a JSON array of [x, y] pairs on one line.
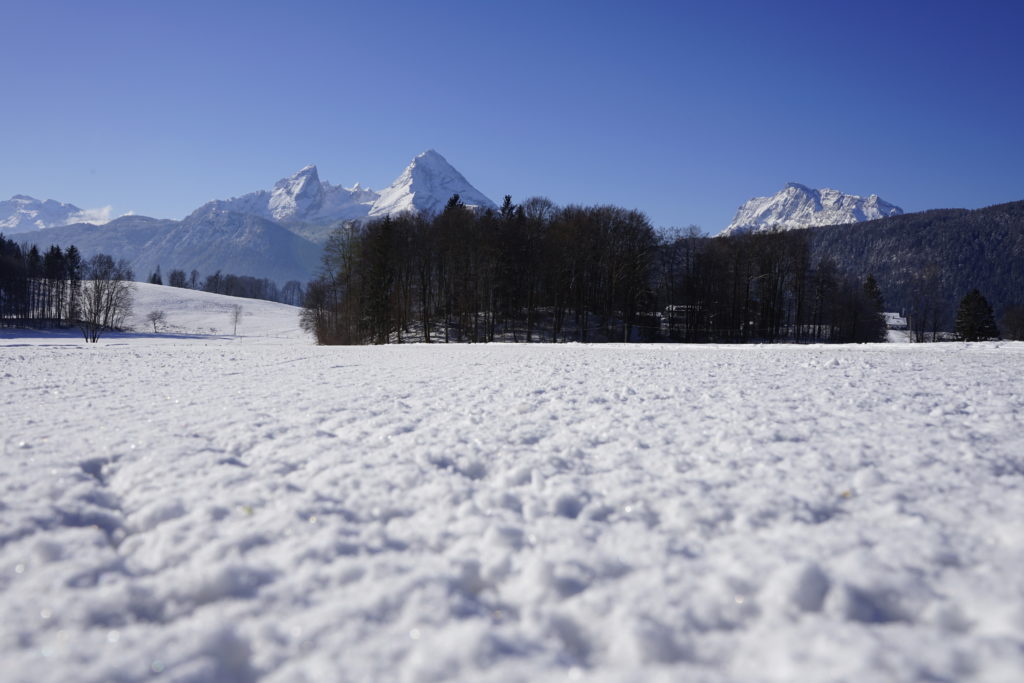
[[202, 314], [219, 508]]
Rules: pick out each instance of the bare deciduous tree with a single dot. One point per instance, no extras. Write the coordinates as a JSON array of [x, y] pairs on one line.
[[236, 317], [106, 298], [157, 318]]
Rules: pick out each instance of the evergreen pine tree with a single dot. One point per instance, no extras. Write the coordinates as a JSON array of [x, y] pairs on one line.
[[876, 330], [974, 319]]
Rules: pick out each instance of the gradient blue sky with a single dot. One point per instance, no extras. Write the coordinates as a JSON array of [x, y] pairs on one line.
[[683, 110]]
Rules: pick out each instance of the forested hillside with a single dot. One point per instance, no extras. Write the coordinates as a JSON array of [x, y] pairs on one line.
[[926, 262]]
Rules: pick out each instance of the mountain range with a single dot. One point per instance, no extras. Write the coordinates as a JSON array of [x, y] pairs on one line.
[[276, 233], [798, 206], [22, 213]]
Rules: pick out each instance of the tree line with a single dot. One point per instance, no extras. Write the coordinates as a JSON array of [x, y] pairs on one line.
[[57, 288], [538, 272], [245, 286], [39, 288]]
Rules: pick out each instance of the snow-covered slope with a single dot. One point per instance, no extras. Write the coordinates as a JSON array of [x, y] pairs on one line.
[[798, 206], [201, 313], [263, 510], [425, 186], [22, 213]]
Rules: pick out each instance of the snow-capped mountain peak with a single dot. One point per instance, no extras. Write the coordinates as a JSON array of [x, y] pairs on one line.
[[425, 186], [297, 196], [309, 206], [798, 206], [22, 213]]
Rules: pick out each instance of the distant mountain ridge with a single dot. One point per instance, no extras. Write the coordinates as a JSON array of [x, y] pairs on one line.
[[311, 207], [798, 206], [22, 213], [302, 198], [273, 233]]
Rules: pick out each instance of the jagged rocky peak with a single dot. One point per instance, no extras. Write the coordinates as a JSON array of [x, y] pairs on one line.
[[798, 206], [300, 194]]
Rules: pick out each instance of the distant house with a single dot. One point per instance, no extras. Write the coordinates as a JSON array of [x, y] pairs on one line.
[[895, 321]]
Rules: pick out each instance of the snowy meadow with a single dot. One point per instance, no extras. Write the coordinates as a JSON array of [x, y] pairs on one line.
[[198, 506]]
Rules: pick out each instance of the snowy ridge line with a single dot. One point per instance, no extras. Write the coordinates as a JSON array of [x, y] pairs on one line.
[[798, 206]]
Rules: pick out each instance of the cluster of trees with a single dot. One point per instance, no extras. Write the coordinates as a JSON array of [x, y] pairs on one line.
[[245, 286], [58, 288], [39, 288], [762, 287], [536, 272]]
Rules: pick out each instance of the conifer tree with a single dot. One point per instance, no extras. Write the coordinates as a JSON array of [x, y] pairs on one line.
[[974, 319], [876, 311]]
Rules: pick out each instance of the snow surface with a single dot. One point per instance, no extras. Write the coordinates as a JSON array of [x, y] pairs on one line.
[[797, 206], [233, 509], [195, 313]]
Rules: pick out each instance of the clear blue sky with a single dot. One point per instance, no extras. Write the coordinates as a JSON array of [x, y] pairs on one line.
[[683, 110]]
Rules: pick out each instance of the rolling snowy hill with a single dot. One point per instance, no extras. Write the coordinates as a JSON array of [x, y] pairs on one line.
[[189, 312], [798, 206]]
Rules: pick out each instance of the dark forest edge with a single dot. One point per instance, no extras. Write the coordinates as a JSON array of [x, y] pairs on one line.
[[60, 289], [926, 262], [537, 272]]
